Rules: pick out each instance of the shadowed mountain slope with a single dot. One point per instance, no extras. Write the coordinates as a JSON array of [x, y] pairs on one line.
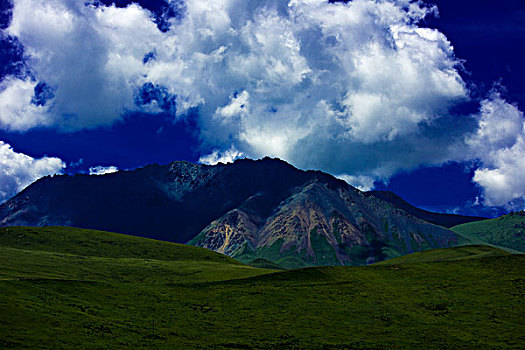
[[442, 219], [172, 202]]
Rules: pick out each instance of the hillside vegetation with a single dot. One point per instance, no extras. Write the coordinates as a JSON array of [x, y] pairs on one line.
[[56, 293], [506, 231], [456, 253], [71, 240]]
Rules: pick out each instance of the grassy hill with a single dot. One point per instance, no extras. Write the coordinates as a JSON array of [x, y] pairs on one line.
[[70, 240], [265, 264], [456, 253], [507, 231], [80, 254], [84, 292]]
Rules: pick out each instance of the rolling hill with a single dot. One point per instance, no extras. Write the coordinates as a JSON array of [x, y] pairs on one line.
[[448, 254], [147, 294], [248, 210], [56, 252], [506, 231], [77, 241]]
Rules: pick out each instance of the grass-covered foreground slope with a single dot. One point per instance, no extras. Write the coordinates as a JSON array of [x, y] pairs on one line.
[[265, 264], [506, 231], [456, 253], [70, 240], [70, 300], [78, 254]]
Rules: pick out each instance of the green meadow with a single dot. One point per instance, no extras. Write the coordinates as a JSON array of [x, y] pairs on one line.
[[450, 254], [507, 231], [83, 289]]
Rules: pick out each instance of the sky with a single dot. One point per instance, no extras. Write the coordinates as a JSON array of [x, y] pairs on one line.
[[423, 98]]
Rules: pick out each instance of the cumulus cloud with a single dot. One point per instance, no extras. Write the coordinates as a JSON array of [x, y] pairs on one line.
[[17, 112], [499, 144], [339, 87], [228, 156], [102, 170], [91, 58], [18, 170], [358, 88], [365, 69], [363, 183]]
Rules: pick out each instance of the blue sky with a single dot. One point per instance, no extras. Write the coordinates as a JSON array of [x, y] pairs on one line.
[[419, 99]]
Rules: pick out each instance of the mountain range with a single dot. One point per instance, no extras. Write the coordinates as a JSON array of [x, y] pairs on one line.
[[249, 210]]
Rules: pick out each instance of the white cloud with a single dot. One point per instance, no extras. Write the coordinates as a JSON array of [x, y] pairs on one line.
[[499, 144], [500, 125], [239, 104], [358, 88], [16, 110], [102, 170], [91, 57], [374, 71], [228, 156], [363, 183], [18, 170]]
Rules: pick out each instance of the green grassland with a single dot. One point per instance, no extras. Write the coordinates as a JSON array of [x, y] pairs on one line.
[[265, 264], [84, 242], [507, 231], [97, 290], [456, 253]]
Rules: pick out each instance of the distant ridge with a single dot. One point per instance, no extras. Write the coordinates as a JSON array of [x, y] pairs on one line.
[[441, 219]]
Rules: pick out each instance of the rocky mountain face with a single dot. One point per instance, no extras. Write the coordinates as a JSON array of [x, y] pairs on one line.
[[263, 209], [322, 223]]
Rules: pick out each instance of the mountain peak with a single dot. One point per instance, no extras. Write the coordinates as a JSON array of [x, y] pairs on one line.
[[248, 209]]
